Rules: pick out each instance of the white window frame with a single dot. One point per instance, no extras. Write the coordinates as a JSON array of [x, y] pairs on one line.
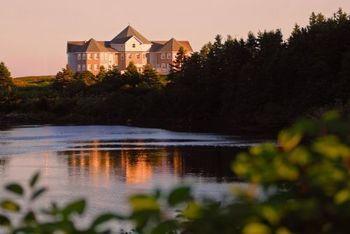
[[79, 68], [89, 56], [95, 67], [96, 56], [89, 67], [163, 66], [84, 56], [169, 56], [79, 56], [83, 67], [162, 56]]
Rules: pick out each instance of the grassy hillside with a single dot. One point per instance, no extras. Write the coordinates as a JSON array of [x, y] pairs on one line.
[[30, 81]]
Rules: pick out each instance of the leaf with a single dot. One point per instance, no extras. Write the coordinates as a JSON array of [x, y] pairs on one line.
[[29, 217], [37, 193], [35, 178], [256, 228], [289, 140], [169, 226], [103, 219], [144, 203], [77, 207], [179, 195], [15, 188], [4, 221], [192, 211], [10, 206]]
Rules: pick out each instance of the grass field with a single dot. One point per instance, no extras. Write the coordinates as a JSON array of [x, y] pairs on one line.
[[33, 81]]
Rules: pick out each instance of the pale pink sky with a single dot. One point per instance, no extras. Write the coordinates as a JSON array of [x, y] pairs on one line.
[[33, 33]]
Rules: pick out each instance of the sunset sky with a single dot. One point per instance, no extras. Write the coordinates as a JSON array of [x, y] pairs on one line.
[[34, 33]]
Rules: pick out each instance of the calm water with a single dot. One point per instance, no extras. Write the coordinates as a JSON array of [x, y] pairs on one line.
[[106, 164]]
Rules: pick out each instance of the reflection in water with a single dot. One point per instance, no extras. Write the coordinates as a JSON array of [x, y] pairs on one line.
[[140, 165]]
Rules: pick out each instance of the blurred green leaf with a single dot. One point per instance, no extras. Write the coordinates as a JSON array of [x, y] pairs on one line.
[[102, 219], [34, 180], [144, 203], [10, 205], [288, 140], [169, 226], [29, 217], [15, 188], [4, 221], [37, 193], [256, 228], [179, 195], [192, 211], [77, 207]]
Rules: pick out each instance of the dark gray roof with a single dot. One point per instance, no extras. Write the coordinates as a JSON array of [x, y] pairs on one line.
[[127, 33], [89, 46], [171, 45]]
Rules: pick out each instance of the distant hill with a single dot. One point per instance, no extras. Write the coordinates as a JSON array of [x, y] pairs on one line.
[[33, 81]]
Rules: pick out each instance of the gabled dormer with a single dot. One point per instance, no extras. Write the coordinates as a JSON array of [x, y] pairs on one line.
[[130, 40]]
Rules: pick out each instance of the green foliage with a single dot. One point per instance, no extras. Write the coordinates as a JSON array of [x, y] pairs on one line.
[[5, 82]]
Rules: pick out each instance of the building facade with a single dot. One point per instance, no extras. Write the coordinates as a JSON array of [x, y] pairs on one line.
[[128, 46]]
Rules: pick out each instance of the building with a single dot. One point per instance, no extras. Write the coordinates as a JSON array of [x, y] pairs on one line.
[[128, 46]]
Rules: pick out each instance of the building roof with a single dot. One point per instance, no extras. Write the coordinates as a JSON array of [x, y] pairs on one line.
[[89, 46], [125, 35], [175, 45], [157, 45]]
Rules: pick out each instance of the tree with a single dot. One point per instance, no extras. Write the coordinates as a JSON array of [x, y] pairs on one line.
[[150, 76], [102, 74], [5, 80], [63, 78], [132, 75], [179, 61]]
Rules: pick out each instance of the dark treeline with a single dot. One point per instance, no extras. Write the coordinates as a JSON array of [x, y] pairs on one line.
[[262, 82]]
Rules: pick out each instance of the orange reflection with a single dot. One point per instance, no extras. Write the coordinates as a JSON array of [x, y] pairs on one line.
[[132, 166]]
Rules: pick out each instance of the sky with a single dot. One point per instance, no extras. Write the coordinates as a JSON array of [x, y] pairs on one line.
[[33, 34]]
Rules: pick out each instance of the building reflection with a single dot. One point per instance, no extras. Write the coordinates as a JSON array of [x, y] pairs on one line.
[[139, 165]]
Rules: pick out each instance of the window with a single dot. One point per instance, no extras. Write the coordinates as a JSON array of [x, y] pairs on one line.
[[169, 56], [89, 56], [95, 67], [79, 68], [163, 65], [84, 56], [79, 56], [83, 67], [134, 45], [95, 56], [130, 56], [89, 67], [162, 56], [158, 65], [122, 56], [138, 56]]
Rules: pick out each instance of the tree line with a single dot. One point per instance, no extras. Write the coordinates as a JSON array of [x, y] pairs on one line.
[[261, 82]]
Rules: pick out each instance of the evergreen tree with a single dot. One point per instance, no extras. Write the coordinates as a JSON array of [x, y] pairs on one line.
[[150, 76], [132, 75], [179, 61]]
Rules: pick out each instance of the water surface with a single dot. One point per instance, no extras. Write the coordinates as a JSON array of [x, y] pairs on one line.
[[106, 164]]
